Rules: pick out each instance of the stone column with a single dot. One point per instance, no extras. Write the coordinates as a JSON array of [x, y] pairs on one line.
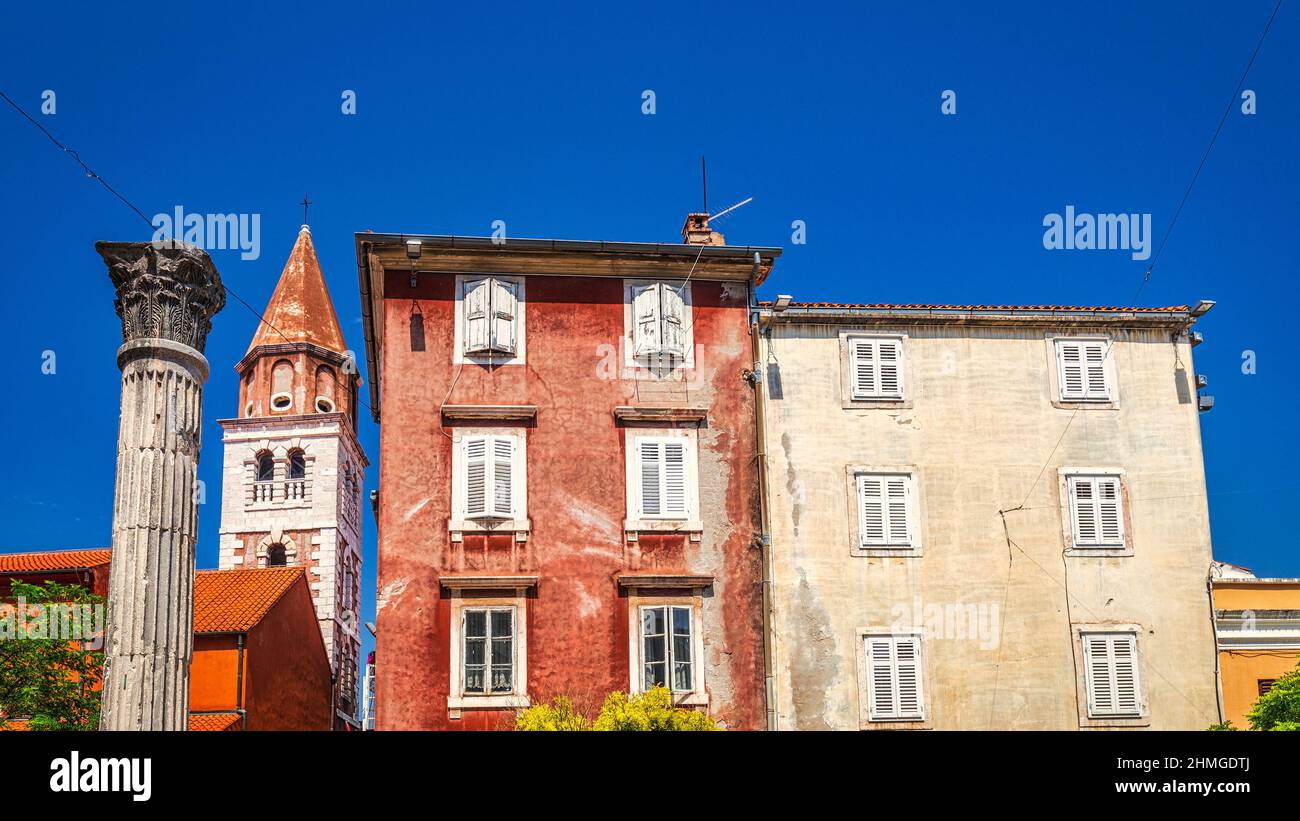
[[166, 296]]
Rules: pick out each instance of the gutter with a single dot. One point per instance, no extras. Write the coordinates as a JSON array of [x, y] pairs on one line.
[[765, 538], [837, 315], [368, 321]]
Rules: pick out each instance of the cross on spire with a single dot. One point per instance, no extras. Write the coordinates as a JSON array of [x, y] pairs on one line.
[[306, 203]]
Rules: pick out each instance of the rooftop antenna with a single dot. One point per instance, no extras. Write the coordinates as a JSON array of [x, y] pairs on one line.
[[725, 211], [704, 179]]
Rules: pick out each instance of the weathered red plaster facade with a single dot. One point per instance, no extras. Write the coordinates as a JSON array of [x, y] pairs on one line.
[[578, 544]]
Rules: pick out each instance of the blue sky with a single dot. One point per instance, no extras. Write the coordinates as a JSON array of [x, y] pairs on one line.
[[532, 114]]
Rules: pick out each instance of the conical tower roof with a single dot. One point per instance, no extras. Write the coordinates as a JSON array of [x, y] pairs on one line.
[[300, 310]]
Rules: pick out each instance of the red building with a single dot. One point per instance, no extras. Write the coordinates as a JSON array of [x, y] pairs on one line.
[[569, 497]]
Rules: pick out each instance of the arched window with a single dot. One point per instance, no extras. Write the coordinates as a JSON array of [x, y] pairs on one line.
[[265, 466], [325, 402], [297, 464], [282, 385], [275, 556]]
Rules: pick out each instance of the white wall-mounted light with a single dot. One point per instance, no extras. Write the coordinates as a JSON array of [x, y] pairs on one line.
[[782, 302], [1203, 307], [413, 248]]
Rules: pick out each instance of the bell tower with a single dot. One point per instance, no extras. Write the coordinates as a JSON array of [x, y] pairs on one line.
[[293, 469]]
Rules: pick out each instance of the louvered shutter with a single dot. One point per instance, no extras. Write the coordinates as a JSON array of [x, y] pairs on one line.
[[880, 674], [672, 312], [476, 307], [505, 305], [863, 366], [503, 453], [889, 355], [1096, 507], [907, 664], [871, 510], [645, 319], [1112, 676], [1094, 366], [1070, 360], [476, 477], [896, 489], [674, 473], [651, 471]]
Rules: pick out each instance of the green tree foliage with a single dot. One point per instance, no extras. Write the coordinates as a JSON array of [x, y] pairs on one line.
[[1279, 708], [652, 711], [47, 681]]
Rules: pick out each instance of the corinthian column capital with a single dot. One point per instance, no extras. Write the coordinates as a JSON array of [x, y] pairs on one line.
[[165, 290]]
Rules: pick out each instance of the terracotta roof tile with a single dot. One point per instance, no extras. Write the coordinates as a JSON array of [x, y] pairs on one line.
[[884, 306], [232, 601], [53, 560], [300, 310], [213, 722]]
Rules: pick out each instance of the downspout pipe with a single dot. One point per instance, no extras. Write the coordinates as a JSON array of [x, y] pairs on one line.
[[1214, 628], [765, 538], [239, 683]]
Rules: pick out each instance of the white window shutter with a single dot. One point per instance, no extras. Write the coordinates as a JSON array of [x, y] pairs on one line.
[[890, 359], [871, 510], [650, 454], [674, 473], [1109, 513], [907, 661], [1111, 668], [1070, 360], [673, 314], [1097, 660], [645, 319], [1084, 510], [862, 355], [505, 306], [1097, 511], [476, 306], [896, 488], [880, 677], [1124, 656], [1094, 356], [476, 477], [503, 455]]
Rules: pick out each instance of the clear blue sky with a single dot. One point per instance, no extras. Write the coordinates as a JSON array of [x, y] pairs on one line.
[[532, 114]]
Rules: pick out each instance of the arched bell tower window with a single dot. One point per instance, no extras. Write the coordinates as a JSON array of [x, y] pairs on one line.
[[265, 466], [297, 464], [275, 556], [325, 383], [282, 386]]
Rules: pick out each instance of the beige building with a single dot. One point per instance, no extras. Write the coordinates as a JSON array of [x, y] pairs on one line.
[[986, 518]]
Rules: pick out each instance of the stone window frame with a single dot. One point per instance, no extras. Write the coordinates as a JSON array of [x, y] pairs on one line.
[[638, 598], [517, 601], [1054, 375], [520, 524], [916, 510], [865, 721], [1067, 520], [458, 355], [1077, 631], [847, 401], [693, 522], [658, 364]]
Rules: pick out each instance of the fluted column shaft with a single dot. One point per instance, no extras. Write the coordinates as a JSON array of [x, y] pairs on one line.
[[166, 297]]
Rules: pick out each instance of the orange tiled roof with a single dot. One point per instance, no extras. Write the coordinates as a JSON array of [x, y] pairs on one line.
[[53, 560], [884, 306], [232, 601], [300, 310], [213, 722]]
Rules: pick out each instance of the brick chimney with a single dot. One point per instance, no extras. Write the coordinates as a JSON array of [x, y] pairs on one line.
[[696, 231]]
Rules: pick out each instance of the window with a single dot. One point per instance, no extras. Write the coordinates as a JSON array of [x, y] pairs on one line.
[[1266, 684], [885, 510], [667, 648], [876, 368], [894, 676], [275, 556], [1111, 674], [1083, 370], [1096, 510], [488, 656], [660, 324], [297, 464], [489, 477], [265, 466], [348, 582], [490, 309], [325, 383], [662, 468], [282, 385]]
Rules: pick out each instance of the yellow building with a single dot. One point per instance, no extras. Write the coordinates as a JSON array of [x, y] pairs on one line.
[[1257, 623], [986, 518]]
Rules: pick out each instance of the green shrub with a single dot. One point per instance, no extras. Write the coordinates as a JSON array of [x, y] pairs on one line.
[[558, 715], [1279, 708], [652, 711]]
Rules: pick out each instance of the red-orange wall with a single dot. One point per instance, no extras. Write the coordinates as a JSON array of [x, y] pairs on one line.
[[577, 619]]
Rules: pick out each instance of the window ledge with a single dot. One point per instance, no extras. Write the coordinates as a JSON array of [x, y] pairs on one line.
[[883, 403], [519, 527], [663, 525], [496, 413], [1113, 552], [500, 581], [487, 702], [881, 551], [896, 724], [627, 413], [693, 581], [1085, 404]]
